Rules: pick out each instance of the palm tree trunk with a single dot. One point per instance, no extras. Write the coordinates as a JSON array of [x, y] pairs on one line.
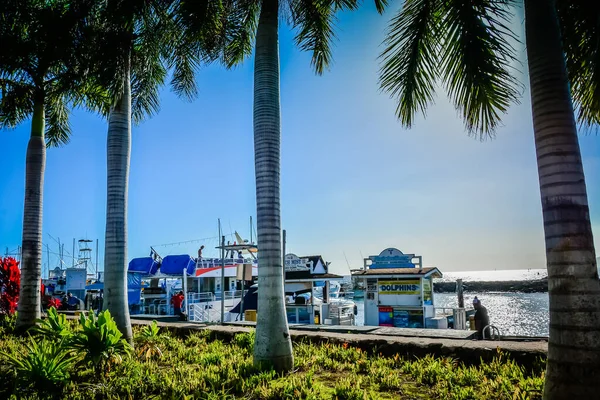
[[273, 346], [573, 366], [31, 259], [115, 250]]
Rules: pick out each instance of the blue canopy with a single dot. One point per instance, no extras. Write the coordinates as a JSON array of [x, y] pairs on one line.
[[174, 265], [134, 282], [95, 286], [143, 265]]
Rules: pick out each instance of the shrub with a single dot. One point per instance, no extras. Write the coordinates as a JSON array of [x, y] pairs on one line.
[[8, 322], [348, 389], [245, 340], [45, 366], [100, 340], [55, 326], [148, 342]]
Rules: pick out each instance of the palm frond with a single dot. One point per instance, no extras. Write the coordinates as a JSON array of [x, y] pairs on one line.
[[240, 25], [188, 21], [350, 5], [381, 5], [411, 57], [580, 30], [16, 103], [185, 64], [475, 61], [145, 83], [148, 64], [315, 21], [58, 130]]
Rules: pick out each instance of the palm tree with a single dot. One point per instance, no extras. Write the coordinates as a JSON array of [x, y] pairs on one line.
[[256, 22], [136, 43], [466, 46], [40, 76]]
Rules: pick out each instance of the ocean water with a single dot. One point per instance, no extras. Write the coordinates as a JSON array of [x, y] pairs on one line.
[[514, 314], [496, 275]]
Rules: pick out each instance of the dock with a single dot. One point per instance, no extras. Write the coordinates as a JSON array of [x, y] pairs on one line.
[[375, 330]]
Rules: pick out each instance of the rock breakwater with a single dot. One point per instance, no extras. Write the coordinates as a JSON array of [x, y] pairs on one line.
[[531, 286]]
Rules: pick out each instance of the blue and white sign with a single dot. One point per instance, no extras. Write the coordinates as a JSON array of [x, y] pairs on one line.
[[392, 258], [295, 263]]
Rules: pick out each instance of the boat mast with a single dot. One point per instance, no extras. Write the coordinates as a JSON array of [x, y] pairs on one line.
[[222, 273]]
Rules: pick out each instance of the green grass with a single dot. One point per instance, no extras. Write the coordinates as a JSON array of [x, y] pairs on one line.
[[198, 367]]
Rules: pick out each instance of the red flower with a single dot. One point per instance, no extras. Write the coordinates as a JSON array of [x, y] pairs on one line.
[[10, 282], [53, 302]]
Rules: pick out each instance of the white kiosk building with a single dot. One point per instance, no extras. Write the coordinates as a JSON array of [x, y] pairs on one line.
[[399, 291]]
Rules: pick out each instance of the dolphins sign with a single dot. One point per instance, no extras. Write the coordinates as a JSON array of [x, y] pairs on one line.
[[400, 287]]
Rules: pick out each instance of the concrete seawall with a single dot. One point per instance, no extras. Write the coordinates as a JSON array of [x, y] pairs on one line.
[[534, 286]]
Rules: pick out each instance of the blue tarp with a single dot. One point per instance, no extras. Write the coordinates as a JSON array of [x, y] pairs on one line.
[[143, 265], [95, 286], [174, 265], [133, 296], [134, 282]]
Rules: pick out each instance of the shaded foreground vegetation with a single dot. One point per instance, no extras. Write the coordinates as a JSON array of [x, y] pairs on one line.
[[199, 367]]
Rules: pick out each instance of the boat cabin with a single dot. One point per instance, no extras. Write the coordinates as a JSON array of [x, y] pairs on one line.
[[307, 289]]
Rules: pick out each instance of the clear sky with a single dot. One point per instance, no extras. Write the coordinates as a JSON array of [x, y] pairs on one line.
[[353, 180]]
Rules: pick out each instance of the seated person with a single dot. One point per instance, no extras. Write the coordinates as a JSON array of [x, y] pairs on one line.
[[72, 302]]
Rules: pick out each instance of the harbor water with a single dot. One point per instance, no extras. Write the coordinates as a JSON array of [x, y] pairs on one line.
[[514, 314]]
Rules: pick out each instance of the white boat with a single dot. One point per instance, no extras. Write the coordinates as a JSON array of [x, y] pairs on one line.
[[205, 301]]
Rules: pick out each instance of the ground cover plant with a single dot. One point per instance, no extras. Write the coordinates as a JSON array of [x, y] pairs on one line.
[[165, 366]]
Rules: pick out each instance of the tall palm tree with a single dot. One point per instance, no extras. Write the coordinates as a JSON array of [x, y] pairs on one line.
[[466, 46], [255, 23], [40, 75], [136, 43]]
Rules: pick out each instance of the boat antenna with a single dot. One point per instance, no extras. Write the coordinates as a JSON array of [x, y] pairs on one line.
[[347, 263]]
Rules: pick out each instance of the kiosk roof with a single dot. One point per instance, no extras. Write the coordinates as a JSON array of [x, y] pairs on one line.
[[404, 272]]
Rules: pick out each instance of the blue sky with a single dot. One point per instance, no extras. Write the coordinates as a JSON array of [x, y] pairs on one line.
[[353, 180]]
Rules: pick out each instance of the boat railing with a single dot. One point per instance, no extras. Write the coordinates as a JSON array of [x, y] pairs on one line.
[[445, 311], [216, 262], [200, 297], [233, 294], [341, 314], [342, 295], [202, 312], [494, 332]]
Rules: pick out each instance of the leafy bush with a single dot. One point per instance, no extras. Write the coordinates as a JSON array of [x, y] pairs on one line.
[[55, 326], [100, 340], [245, 340], [348, 389], [148, 342], [8, 322], [45, 365]]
